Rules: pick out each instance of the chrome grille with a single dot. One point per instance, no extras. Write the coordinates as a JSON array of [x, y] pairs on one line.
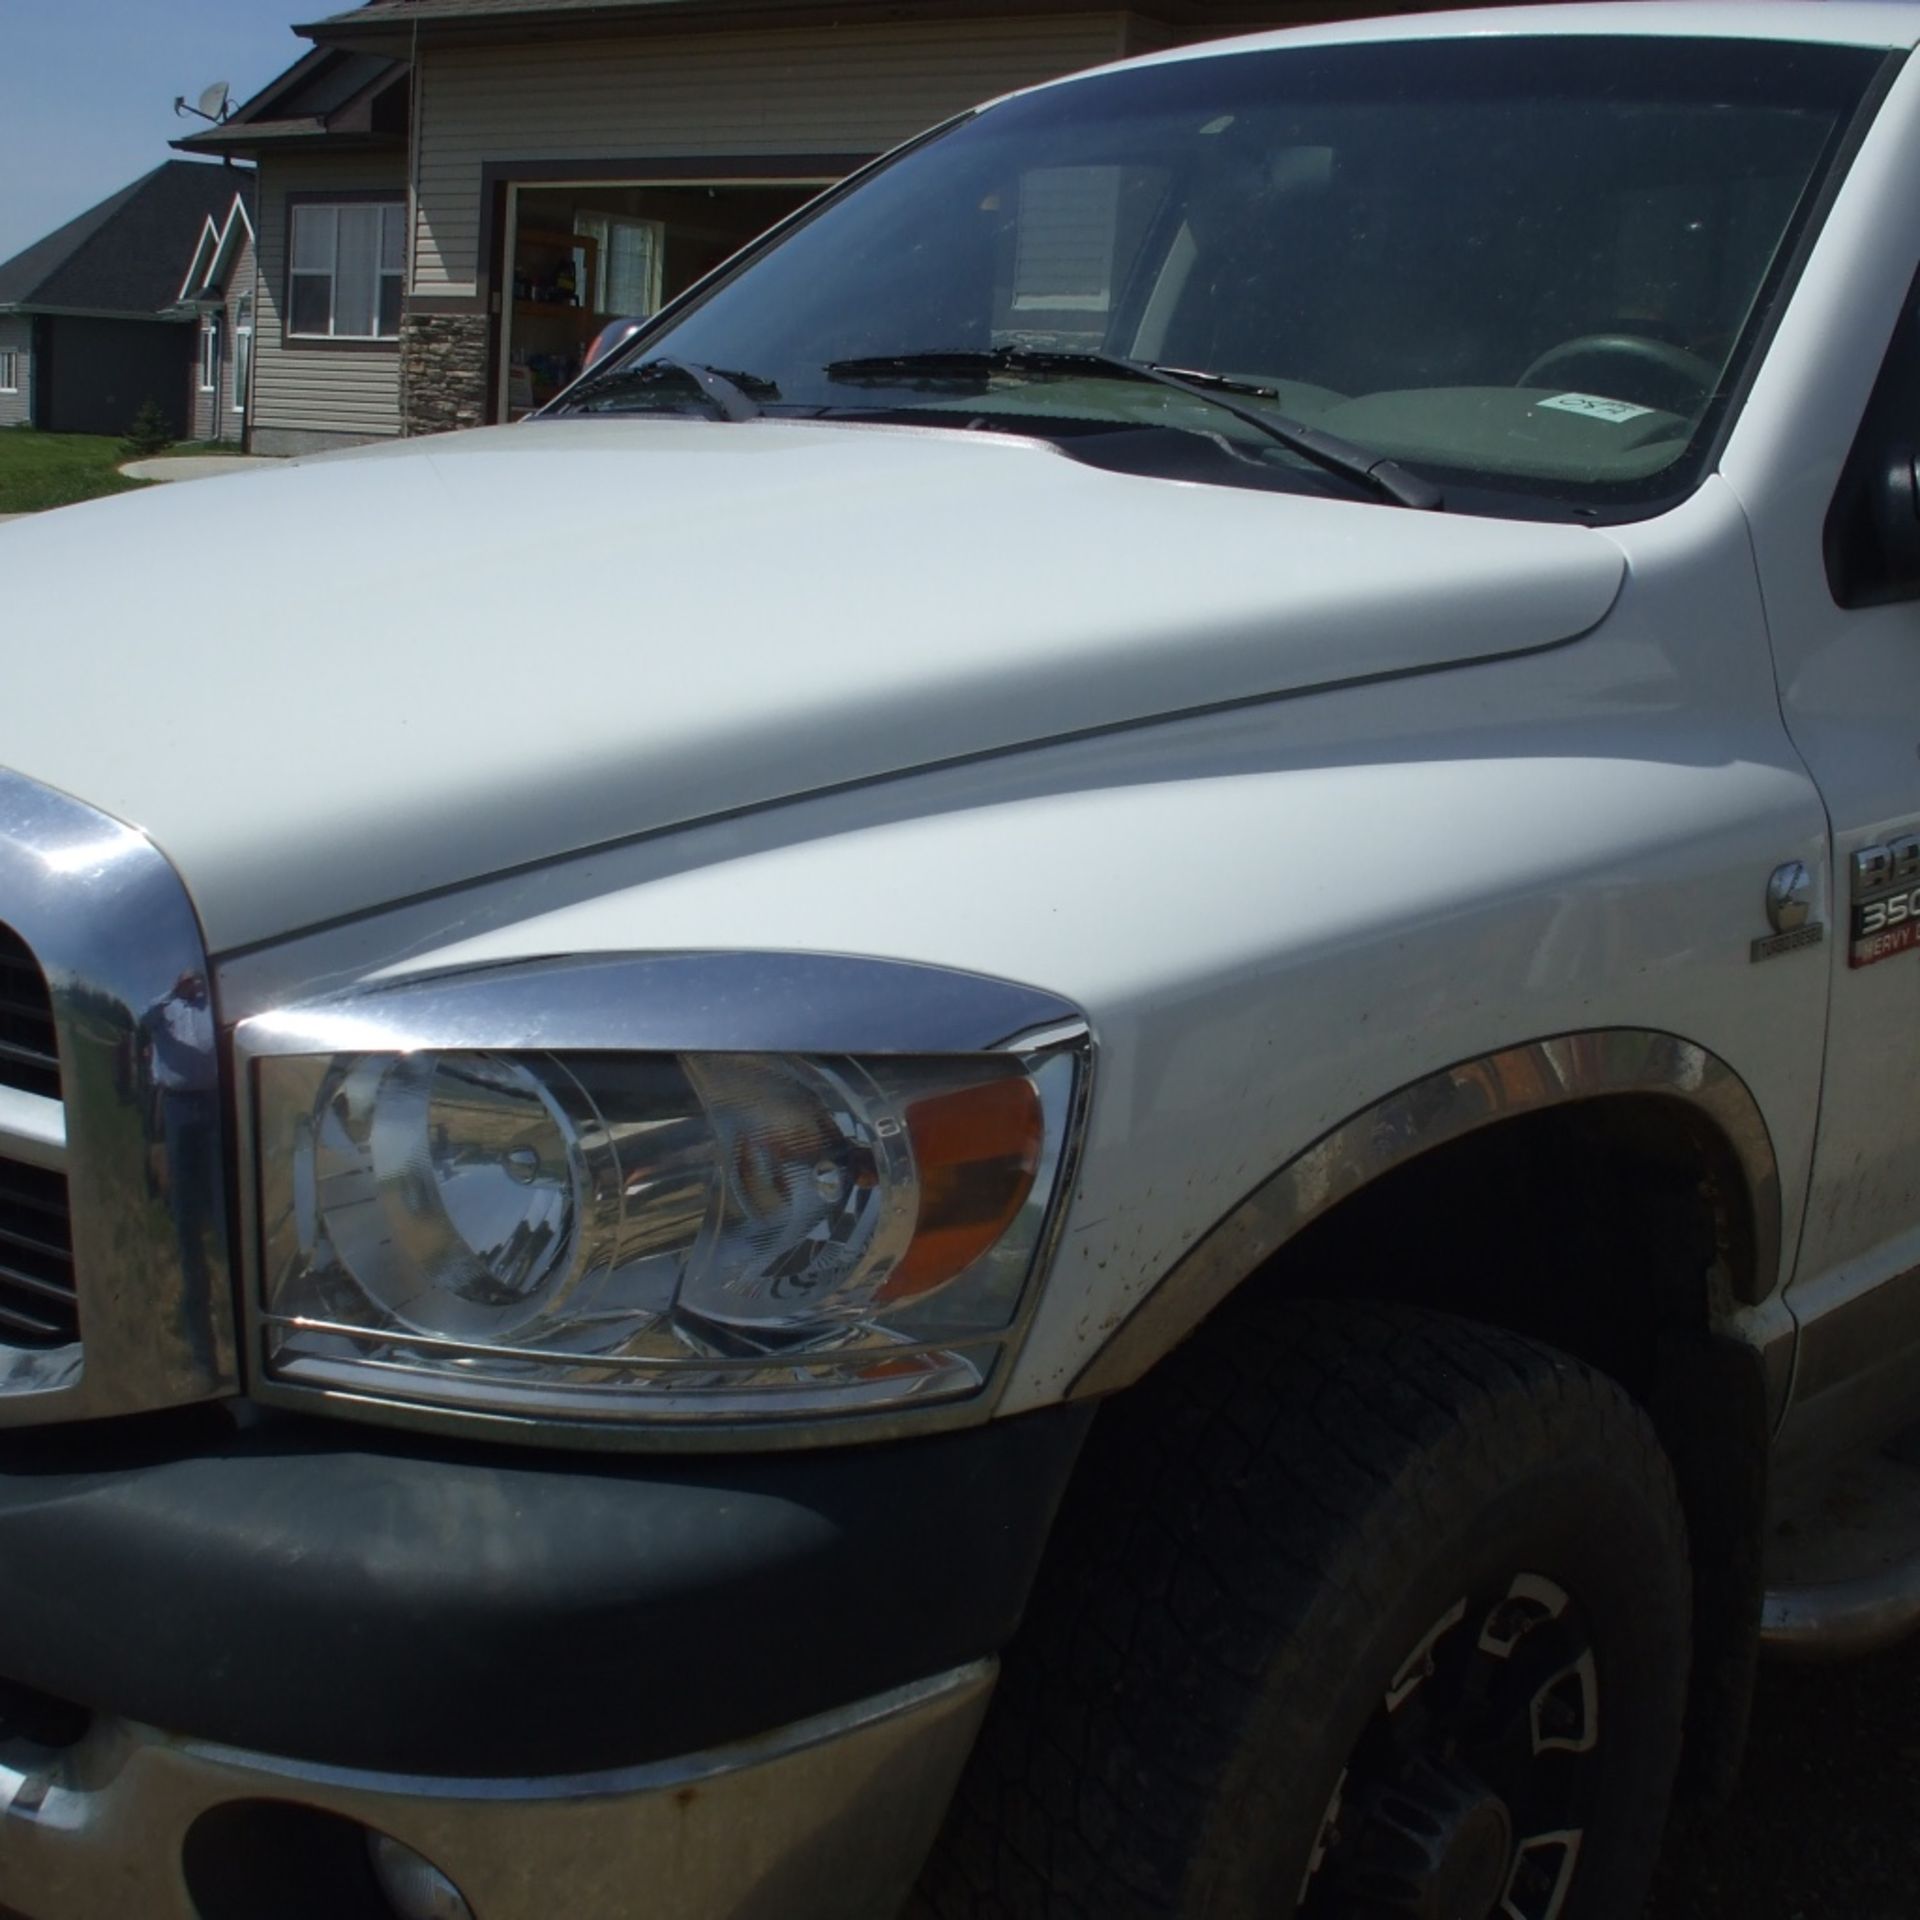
[[115, 1288], [29, 1059], [37, 1303], [38, 1307]]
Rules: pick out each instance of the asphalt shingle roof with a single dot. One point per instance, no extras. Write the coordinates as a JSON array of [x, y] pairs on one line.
[[127, 254], [326, 95], [387, 12]]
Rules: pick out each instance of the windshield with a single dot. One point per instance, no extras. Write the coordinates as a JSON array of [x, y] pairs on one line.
[[1530, 265]]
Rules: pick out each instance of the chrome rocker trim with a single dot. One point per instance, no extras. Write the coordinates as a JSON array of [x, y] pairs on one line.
[[827, 1819], [1843, 1619], [1444, 1107], [117, 938]]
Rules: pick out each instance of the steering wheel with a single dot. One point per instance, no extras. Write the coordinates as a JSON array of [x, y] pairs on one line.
[[1651, 372]]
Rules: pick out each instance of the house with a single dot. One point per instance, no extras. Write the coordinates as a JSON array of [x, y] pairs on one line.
[[218, 292], [454, 194], [91, 328], [330, 138]]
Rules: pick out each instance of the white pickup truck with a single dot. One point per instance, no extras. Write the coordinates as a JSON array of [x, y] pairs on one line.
[[1145, 1100]]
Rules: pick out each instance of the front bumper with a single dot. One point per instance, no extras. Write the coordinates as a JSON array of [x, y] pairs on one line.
[[562, 1679], [826, 1820]]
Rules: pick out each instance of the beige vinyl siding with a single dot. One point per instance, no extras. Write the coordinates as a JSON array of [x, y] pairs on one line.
[[310, 386], [232, 422], [16, 336], [833, 90], [1155, 36], [203, 418], [214, 414]]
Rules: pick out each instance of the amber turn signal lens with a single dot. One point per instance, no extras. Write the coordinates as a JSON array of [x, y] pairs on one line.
[[976, 1149]]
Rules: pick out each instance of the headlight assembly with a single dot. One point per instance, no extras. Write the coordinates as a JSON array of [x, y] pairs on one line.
[[665, 1236]]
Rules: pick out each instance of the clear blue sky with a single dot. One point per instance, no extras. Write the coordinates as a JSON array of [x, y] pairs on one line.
[[87, 87]]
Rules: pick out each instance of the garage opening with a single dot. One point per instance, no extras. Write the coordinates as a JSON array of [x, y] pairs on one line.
[[581, 254]]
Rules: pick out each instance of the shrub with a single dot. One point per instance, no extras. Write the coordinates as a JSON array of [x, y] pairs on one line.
[[149, 434]]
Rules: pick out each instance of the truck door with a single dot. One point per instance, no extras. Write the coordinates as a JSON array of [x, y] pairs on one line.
[[1832, 501]]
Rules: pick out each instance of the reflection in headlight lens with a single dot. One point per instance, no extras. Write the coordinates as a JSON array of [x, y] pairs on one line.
[[450, 1185], [669, 1236]]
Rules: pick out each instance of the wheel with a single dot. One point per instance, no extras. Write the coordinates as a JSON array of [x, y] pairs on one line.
[[1628, 366], [1353, 1614]]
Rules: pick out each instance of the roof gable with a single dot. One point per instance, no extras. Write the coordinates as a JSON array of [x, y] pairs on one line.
[[331, 95], [124, 255], [218, 248]]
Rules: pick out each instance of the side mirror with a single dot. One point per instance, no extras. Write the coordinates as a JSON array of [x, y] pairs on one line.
[[610, 339], [1896, 512], [1872, 536]]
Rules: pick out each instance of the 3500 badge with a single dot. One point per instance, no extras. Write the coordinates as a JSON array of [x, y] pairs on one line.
[[1886, 900]]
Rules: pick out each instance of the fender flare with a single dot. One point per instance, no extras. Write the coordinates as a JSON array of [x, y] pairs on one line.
[[1481, 1092]]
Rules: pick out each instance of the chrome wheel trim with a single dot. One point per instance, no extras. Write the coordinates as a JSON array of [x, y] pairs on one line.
[[1486, 1728]]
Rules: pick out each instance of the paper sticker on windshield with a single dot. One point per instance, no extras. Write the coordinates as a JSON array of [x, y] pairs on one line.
[[1594, 407]]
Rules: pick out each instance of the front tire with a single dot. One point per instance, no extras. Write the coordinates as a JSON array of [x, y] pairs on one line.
[[1354, 1614]]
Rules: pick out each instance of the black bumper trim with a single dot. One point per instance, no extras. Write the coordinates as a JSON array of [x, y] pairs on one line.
[[412, 1606]]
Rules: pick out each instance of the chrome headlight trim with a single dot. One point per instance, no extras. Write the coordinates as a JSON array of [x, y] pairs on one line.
[[803, 1004], [692, 1002], [116, 936]]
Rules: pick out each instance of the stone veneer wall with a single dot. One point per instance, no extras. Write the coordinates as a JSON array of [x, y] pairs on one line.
[[443, 371]]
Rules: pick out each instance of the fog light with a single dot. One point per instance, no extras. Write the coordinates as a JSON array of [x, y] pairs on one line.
[[415, 1888]]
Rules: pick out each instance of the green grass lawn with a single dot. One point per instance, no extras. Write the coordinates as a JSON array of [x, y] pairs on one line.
[[55, 469]]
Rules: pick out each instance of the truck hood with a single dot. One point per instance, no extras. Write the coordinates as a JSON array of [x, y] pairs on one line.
[[331, 685]]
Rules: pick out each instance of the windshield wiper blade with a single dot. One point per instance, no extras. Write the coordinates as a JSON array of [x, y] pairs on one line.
[[1215, 382], [728, 393], [959, 362], [1371, 470]]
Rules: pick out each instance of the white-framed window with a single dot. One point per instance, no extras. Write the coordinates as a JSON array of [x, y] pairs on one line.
[[628, 264], [9, 369], [209, 355], [346, 270], [242, 351]]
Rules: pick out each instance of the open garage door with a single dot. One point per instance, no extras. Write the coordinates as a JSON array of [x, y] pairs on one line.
[[95, 375], [581, 254]]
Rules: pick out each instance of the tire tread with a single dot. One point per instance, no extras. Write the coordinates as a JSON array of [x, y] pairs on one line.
[[1265, 1476]]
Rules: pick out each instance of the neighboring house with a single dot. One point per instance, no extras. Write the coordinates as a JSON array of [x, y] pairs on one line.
[[331, 138], [90, 325], [219, 292], [454, 194]]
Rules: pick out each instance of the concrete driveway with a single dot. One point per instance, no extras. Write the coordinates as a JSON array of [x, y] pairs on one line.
[[191, 466], [194, 466]]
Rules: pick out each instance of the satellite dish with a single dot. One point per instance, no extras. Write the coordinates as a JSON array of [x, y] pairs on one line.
[[213, 103]]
